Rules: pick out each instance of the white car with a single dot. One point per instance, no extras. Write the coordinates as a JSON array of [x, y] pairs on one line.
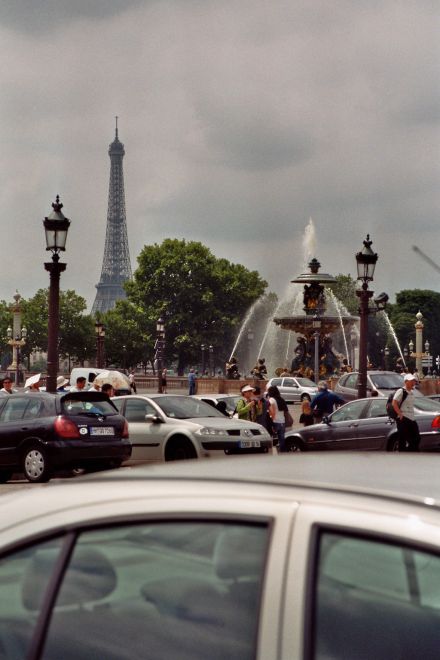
[[258, 558], [168, 427], [294, 388]]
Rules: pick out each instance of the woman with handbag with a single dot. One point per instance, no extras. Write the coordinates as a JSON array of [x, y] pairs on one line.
[[277, 411]]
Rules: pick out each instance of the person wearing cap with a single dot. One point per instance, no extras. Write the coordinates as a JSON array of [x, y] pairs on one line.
[[324, 402], [403, 404], [245, 407], [61, 384], [7, 386]]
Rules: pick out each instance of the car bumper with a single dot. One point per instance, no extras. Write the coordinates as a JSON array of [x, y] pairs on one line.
[[242, 446], [65, 453]]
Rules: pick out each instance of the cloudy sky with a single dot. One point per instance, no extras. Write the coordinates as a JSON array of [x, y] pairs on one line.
[[240, 119]]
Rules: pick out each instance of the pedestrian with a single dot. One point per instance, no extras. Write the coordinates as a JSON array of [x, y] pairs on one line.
[[61, 384], [192, 381], [324, 402], [403, 404], [80, 384], [306, 416], [33, 383], [277, 407], [245, 407], [7, 386], [164, 381], [107, 388], [262, 409], [132, 380]]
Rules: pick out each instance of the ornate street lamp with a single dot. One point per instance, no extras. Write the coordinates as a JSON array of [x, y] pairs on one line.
[[316, 324], [387, 355], [366, 263], [16, 343], [160, 346], [100, 350], [56, 226]]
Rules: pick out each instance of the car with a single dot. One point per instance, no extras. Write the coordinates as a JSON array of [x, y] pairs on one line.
[[230, 400], [41, 433], [261, 558], [294, 388], [169, 427], [382, 382], [364, 424]]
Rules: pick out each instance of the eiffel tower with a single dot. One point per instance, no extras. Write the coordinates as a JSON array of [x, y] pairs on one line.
[[116, 267]]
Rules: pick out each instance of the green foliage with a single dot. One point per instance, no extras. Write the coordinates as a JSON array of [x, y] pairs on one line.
[[129, 336], [403, 316], [201, 298], [345, 290]]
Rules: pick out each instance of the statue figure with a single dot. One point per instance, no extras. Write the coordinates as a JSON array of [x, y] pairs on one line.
[[232, 372]]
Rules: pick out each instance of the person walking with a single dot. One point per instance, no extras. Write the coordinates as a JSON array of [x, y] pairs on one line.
[[7, 386], [324, 402], [164, 381], [245, 407], [132, 380], [262, 409], [306, 416], [403, 404], [277, 407], [192, 382]]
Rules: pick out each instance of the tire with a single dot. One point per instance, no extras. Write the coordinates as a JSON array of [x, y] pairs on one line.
[[305, 397], [5, 475], [35, 464], [393, 443], [179, 449], [294, 444]]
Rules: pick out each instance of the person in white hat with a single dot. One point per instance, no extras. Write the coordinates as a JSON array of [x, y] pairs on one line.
[[33, 383], [245, 407], [61, 384], [403, 404]]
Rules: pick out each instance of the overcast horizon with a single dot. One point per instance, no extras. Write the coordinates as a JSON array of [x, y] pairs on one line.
[[240, 121]]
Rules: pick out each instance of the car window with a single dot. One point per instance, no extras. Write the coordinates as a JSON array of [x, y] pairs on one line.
[[276, 382], [119, 403], [306, 382], [161, 591], [24, 576], [14, 409], [377, 408], [372, 597], [387, 381], [348, 412], [75, 406], [33, 409], [289, 382], [351, 381], [136, 409], [426, 405], [186, 407]]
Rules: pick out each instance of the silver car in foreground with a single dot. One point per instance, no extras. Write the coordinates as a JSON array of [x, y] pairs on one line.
[[295, 557], [169, 427]]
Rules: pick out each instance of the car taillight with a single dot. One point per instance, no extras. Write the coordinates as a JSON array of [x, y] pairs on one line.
[[435, 424], [125, 431], [65, 428]]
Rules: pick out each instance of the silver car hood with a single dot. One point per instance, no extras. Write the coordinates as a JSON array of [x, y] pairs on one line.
[[217, 423]]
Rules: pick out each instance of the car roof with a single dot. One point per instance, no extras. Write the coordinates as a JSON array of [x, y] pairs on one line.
[[412, 477]]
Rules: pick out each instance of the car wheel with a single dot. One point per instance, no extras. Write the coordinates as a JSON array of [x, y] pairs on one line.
[[36, 464], [294, 444], [393, 443], [305, 397], [5, 475], [179, 449]]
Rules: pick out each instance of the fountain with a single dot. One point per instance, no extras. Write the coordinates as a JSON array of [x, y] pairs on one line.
[[315, 326]]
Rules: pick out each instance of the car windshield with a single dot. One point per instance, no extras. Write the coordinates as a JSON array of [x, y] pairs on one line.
[[76, 406], [186, 407], [305, 382], [387, 381], [231, 402], [426, 405]]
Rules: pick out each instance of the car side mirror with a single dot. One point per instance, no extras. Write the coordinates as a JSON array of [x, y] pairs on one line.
[[153, 419]]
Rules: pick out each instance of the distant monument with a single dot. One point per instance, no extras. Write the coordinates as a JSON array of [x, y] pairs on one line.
[[116, 266]]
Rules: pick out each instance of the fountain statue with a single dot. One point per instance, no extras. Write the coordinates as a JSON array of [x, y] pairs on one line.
[[315, 327]]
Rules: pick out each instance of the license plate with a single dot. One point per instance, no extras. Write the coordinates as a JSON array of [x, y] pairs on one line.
[[102, 430], [249, 444]]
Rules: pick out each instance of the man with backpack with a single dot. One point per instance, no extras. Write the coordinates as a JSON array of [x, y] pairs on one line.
[[403, 407]]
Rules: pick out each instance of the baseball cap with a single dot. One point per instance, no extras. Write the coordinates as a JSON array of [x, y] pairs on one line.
[[409, 377]]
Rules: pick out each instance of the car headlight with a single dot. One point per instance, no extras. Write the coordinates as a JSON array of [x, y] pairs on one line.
[[208, 430]]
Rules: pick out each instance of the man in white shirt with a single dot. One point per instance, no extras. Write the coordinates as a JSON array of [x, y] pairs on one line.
[[403, 404], [80, 384]]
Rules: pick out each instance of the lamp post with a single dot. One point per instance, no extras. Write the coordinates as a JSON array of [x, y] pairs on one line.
[[353, 342], [366, 263], [250, 341], [387, 356], [317, 325], [16, 343], [428, 356], [56, 226], [211, 360], [160, 345], [100, 337], [203, 347]]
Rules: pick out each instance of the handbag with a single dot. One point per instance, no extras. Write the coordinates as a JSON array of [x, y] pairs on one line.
[[288, 419]]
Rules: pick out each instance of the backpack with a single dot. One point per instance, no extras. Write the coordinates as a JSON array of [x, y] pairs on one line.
[[389, 405]]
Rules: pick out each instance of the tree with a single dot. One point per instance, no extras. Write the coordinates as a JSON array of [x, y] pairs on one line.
[[201, 298], [344, 289], [127, 326], [77, 333]]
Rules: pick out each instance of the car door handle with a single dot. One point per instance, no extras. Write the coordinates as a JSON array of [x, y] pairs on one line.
[[353, 426], [25, 428]]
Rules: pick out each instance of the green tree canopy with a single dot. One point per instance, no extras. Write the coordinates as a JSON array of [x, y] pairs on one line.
[[201, 298], [403, 316]]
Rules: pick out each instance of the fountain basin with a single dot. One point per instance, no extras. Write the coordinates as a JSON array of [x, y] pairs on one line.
[[303, 324]]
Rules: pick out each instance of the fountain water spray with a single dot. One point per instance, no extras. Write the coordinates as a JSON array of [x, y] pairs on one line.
[[341, 309], [393, 333], [243, 326]]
